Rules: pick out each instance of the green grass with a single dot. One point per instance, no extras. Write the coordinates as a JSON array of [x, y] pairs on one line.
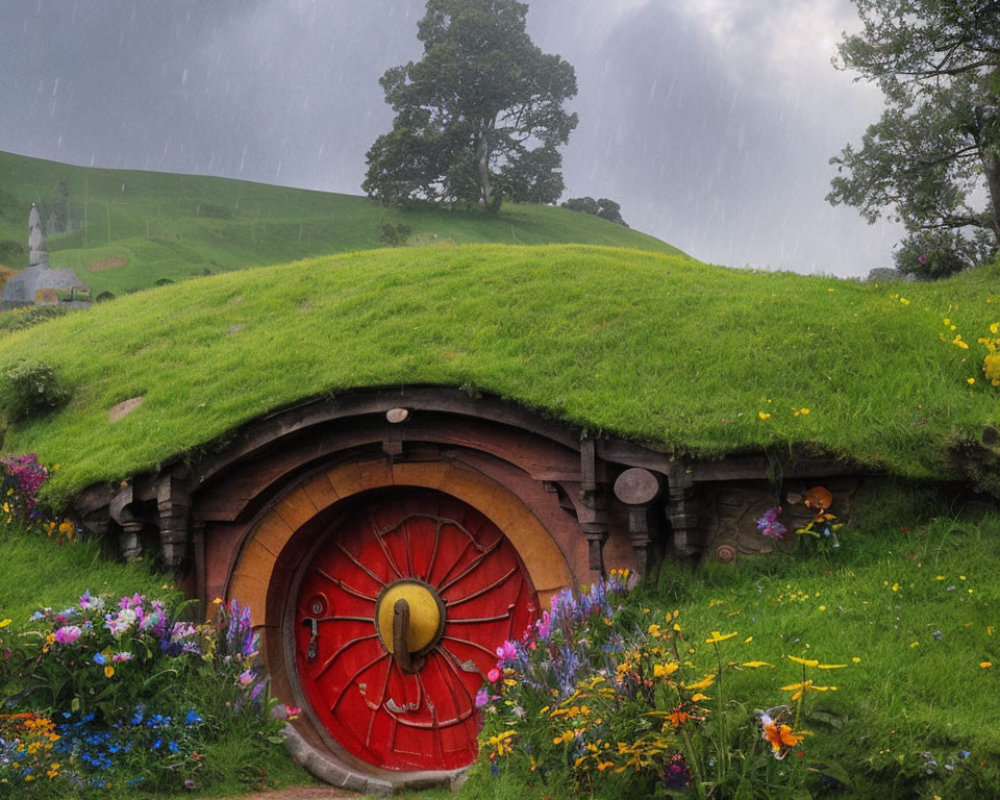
[[38, 572], [648, 346], [909, 604], [142, 227]]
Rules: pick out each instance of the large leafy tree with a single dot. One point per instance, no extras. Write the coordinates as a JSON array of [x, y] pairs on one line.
[[479, 117], [933, 160]]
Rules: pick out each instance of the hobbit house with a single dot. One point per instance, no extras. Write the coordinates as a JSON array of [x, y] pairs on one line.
[[388, 541]]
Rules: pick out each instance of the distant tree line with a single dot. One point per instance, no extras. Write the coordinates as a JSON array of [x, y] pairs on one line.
[[603, 208]]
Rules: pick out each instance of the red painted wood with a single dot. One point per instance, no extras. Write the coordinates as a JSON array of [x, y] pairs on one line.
[[390, 719]]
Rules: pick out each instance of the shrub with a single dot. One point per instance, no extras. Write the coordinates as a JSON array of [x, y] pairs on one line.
[[18, 319], [30, 388], [119, 694], [393, 234]]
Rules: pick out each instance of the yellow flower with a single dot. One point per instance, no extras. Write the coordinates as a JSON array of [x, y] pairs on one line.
[[717, 637], [704, 683], [763, 415], [957, 341], [800, 689], [665, 670], [985, 664], [5, 622], [970, 381], [109, 671], [756, 664]]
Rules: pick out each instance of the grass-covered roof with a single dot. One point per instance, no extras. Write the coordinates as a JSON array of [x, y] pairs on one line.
[[655, 347]]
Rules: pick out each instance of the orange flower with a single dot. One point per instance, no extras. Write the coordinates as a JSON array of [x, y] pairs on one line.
[[678, 717], [779, 736]]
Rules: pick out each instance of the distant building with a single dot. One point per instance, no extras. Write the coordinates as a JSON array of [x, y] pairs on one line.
[[37, 284]]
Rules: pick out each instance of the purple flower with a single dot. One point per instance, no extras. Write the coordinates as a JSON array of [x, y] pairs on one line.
[[90, 603], [768, 524], [68, 634], [545, 626]]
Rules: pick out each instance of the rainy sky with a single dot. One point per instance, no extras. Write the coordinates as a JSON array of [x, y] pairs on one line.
[[710, 121]]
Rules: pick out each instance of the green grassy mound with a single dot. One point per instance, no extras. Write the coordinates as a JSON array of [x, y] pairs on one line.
[[654, 347], [125, 230]]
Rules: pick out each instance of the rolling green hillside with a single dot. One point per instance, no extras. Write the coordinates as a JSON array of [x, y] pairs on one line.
[[651, 346], [124, 230]]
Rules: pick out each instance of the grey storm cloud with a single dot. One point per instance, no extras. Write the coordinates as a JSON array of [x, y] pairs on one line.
[[710, 121]]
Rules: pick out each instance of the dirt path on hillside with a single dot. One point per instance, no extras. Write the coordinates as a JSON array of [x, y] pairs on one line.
[[317, 792]]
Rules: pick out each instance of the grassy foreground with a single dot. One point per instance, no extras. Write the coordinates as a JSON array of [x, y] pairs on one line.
[[908, 604], [661, 348]]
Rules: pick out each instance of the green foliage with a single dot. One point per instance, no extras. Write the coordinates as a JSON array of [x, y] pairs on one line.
[[936, 150], [479, 117], [29, 388], [603, 208], [18, 319], [393, 234], [931, 255], [12, 252]]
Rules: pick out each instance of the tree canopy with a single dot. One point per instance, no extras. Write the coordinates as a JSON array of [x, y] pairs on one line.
[[480, 117], [932, 161], [603, 208]]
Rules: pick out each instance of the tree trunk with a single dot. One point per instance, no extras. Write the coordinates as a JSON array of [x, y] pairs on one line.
[[483, 165], [991, 166]]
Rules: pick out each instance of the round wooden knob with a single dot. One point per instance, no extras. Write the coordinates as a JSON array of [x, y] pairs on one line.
[[424, 616]]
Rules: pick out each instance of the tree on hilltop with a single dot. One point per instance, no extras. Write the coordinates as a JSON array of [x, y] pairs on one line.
[[479, 117], [932, 161], [603, 208]]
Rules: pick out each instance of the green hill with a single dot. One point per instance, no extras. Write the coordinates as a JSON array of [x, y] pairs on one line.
[[650, 346], [125, 230]]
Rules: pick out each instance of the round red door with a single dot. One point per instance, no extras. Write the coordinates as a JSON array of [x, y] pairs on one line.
[[398, 617]]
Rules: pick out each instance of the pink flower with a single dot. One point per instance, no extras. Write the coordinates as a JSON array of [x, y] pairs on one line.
[[507, 652], [68, 634], [493, 675]]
